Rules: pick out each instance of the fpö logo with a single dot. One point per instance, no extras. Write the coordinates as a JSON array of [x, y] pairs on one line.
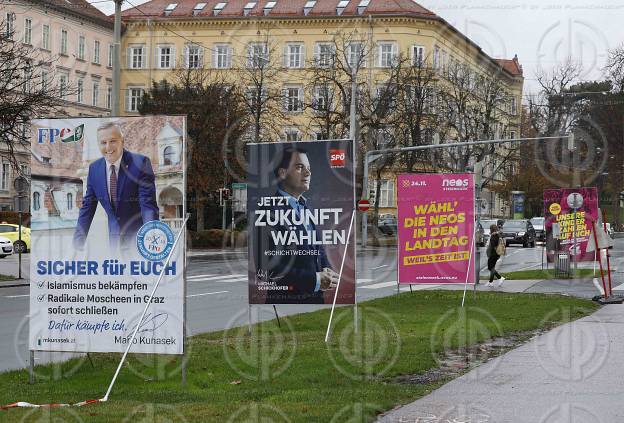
[[337, 158], [457, 183], [66, 135]]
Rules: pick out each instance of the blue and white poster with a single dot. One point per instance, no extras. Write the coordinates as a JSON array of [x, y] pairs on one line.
[[107, 201]]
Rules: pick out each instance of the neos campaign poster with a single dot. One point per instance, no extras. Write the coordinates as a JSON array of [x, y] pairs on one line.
[[575, 230], [300, 201], [435, 228], [107, 201]]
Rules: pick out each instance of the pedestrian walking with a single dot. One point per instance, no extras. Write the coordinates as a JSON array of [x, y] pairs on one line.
[[495, 249]]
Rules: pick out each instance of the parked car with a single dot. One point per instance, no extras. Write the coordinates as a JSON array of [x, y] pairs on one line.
[[6, 247], [538, 225], [519, 232], [10, 231], [387, 224]]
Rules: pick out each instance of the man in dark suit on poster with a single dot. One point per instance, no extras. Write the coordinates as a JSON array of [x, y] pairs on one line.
[[123, 183], [293, 273]]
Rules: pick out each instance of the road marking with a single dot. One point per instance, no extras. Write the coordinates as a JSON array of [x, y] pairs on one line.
[[379, 267], [206, 293], [618, 288], [364, 280], [213, 277], [223, 279], [17, 296]]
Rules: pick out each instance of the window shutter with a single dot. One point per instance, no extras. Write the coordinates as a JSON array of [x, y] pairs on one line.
[[285, 98], [302, 63], [129, 58], [317, 53], [173, 57], [156, 58], [127, 99], [229, 56], [286, 55]]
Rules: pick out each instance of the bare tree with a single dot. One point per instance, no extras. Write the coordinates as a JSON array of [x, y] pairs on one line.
[[615, 67], [29, 88], [264, 101]]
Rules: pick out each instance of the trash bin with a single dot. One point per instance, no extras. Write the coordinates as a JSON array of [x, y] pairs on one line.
[[562, 265]]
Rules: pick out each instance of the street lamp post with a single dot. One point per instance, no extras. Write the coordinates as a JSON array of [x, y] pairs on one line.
[[116, 59]]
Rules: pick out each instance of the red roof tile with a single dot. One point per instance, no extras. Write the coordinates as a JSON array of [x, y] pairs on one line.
[[283, 8], [80, 7], [512, 66]]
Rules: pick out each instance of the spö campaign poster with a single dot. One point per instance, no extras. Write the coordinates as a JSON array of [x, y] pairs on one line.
[[300, 202], [558, 211], [107, 200], [436, 228]]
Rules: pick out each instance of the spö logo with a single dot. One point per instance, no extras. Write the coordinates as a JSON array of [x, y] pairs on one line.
[[455, 183], [336, 158], [63, 134]]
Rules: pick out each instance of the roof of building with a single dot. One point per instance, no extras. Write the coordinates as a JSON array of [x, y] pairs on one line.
[[81, 8], [512, 66], [228, 9], [280, 8]]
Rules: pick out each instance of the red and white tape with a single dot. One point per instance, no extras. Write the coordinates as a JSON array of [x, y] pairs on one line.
[[29, 405]]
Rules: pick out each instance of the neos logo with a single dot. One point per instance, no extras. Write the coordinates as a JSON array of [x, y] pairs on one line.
[[455, 183]]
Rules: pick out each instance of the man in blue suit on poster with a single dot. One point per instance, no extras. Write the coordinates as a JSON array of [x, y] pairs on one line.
[[300, 273], [123, 183]]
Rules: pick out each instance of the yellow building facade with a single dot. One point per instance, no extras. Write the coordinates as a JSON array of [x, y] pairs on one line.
[[225, 36]]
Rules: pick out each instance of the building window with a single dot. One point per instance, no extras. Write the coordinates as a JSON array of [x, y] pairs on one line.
[[96, 94], [387, 55], [110, 55], [293, 99], [45, 75], [255, 98], [165, 57], [418, 56], [133, 99], [27, 79], [80, 91], [320, 136], [292, 134], [63, 81], [386, 193], [294, 56], [70, 201], [109, 97], [322, 98], [4, 181], [222, 56], [136, 57], [27, 31], [168, 154], [45, 37], [257, 55], [81, 47], [10, 25], [96, 52], [514, 106], [36, 201], [355, 55], [436, 57], [194, 56], [324, 55], [64, 42]]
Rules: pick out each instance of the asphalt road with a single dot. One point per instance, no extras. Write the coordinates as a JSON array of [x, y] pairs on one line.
[[217, 293]]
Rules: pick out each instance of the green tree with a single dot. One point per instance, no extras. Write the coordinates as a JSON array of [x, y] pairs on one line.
[[214, 124]]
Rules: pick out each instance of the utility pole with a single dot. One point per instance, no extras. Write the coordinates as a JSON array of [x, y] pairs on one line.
[[116, 59]]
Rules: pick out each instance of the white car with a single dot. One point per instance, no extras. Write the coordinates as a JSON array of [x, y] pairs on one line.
[[6, 247]]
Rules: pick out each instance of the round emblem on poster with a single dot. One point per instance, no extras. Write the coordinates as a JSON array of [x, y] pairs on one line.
[[155, 240]]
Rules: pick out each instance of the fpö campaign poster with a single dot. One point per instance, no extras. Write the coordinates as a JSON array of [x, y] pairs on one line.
[[558, 211], [436, 228], [107, 200], [300, 201]]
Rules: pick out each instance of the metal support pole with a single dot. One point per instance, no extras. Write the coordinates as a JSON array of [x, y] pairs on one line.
[[19, 251], [31, 368], [116, 59], [279, 325]]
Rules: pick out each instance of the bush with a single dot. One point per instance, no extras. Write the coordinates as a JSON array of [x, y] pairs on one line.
[[13, 218], [216, 238]]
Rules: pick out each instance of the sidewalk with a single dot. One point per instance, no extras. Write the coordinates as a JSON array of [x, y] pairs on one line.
[[570, 374], [15, 282]]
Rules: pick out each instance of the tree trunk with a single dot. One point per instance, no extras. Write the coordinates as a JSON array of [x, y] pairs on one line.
[[199, 209]]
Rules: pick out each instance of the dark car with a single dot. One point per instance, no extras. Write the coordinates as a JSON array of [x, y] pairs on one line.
[[486, 227], [519, 232], [538, 225], [387, 224]]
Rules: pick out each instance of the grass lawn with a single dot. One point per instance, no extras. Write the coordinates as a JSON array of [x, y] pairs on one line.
[[7, 277], [540, 274], [289, 373]]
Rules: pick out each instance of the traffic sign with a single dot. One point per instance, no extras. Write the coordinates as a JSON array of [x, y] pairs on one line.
[[363, 205], [239, 185]]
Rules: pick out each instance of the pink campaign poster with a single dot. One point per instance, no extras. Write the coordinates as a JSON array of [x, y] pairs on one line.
[[436, 228]]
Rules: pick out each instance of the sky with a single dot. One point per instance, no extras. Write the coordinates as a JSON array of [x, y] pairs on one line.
[[541, 33]]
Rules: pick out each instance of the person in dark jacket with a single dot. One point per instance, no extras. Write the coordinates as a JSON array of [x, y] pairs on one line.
[[493, 256]]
